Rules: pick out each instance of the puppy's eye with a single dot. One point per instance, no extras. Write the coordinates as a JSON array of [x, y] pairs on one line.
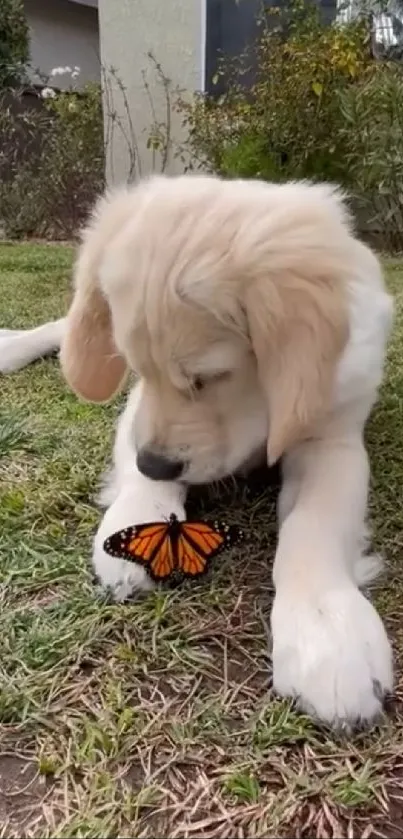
[[198, 384]]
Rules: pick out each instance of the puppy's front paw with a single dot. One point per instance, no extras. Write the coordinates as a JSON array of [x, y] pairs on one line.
[[122, 578], [332, 655]]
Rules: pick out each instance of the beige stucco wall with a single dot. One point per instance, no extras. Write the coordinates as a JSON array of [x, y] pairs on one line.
[[63, 34], [173, 31]]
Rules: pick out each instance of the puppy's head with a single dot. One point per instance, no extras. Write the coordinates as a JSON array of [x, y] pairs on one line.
[[227, 299]]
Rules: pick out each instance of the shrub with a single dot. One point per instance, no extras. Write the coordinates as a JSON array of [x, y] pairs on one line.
[[285, 125], [53, 150], [14, 42], [372, 130], [320, 107], [52, 165], [73, 156]]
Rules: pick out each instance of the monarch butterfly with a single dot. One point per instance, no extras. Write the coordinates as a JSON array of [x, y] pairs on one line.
[[163, 548]]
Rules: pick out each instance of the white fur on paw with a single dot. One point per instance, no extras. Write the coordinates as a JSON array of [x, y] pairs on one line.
[[109, 489], [367, 569], [332, 655], [122, 578]]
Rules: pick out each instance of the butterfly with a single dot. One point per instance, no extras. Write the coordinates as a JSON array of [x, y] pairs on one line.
[[174, 546]]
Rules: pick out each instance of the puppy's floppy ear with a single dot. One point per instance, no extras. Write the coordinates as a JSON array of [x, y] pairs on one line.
[[298, 329], [90, 361]]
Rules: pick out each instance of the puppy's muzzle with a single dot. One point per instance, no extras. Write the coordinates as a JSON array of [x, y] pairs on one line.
[[157, 466]]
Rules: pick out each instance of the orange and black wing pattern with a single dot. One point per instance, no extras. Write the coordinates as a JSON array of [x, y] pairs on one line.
[[175, 547], [200, 541], [147, 544]]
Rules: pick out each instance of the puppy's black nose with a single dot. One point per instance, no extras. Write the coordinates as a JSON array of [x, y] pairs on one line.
[[157, 467]]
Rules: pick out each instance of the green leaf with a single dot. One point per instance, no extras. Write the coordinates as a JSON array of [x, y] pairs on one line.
[[244, 787], [317, 88]]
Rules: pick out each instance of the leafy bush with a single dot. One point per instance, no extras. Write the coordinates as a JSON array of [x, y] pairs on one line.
[[52, 165], [53, 149], [73, 155], [285, 125], [14, 42], [320, 107], [372, 130]]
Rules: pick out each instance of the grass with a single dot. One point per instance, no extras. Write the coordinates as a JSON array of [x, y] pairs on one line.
[[156, 717]]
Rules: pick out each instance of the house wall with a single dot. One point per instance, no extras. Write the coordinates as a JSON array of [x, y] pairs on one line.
[[186, 37], [63, 34], [174, 32]]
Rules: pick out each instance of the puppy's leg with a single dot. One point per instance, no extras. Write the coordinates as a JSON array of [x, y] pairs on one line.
[[19, 348], [291, 482], [133, 499], [124, 453], [366, 566], [330, 649]]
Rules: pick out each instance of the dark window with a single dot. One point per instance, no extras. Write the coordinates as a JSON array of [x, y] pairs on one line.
[[232, 26]]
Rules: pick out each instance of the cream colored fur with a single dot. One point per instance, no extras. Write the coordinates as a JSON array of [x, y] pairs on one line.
[[262, 296]]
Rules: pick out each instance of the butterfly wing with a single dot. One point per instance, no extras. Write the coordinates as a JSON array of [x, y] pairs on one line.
[[139, 543], [151, 545], [190, 561], [163, 562], [199, 542]]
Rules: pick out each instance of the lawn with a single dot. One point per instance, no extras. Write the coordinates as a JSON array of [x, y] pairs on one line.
[[156, 718]]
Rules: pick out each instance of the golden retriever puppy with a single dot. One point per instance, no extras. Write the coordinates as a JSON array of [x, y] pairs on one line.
[[256, 322]]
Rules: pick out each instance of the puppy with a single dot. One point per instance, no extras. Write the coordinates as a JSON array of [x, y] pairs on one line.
[[255, 321]]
